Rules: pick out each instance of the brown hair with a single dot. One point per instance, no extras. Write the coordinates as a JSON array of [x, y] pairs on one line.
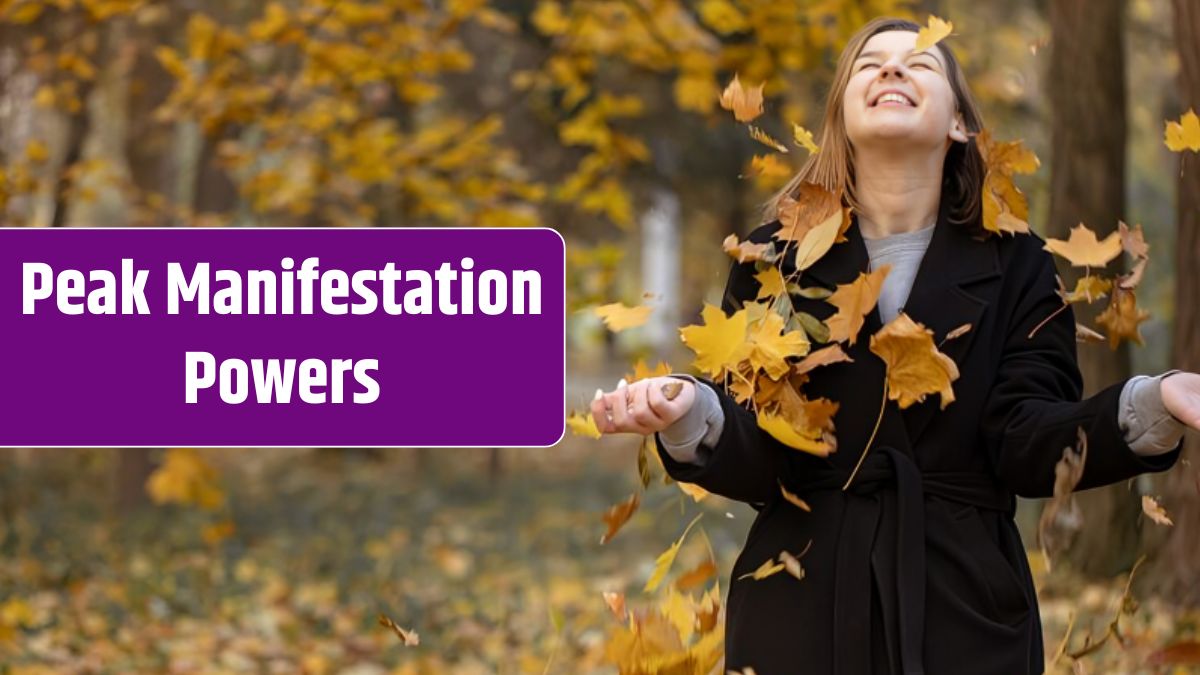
[[833, 167]]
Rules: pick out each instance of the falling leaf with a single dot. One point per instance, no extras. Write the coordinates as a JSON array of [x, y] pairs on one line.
[[794, 499], [804, 139], [770, 166], [915, 367], [641, 371], [854, 301], [1122, 318], [663, 564], [745, 104], [1005, 208], [744, 251], [792, 564], [816, 209], [619, 514], [696, 576], [583, 424], [409, 637], [1184, 134], [933, 33], [1067, 473], [618, 317], [692, 490], [1133, 240], [1155, 511], [770, 346], [720, 342], [1085, 334], [822, 357], [1083, 249], [616, 604], [1090, 288], [764, 570], [958, 332], [781, 430], [766, 139]]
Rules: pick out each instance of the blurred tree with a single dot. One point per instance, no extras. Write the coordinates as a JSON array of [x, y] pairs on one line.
[[1086, 89], [1176, 563]]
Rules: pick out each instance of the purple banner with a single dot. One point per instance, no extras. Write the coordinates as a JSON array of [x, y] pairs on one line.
[[421, 337]]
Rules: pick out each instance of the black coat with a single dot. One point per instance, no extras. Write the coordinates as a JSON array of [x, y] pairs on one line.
[[918, 567]]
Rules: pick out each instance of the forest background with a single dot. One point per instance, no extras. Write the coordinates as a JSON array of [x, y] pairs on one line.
[[601, 119]]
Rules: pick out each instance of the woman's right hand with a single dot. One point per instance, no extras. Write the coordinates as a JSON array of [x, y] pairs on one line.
[[642, 407]]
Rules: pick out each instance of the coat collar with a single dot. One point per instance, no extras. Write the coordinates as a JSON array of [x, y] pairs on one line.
[[955, 264]]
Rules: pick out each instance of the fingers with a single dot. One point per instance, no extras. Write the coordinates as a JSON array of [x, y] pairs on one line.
[[643, 415], [600, 413], [626, 409]]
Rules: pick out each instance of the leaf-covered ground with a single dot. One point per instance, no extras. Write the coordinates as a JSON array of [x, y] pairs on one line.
[[501, 575]]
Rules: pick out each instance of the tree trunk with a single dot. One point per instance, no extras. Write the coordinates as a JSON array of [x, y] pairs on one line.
[[1087, 176], [1175, 551]]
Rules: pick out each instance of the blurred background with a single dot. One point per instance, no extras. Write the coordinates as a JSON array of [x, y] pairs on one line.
[[601, 119]]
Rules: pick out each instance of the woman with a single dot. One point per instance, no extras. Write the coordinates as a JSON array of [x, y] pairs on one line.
[[917, 566]]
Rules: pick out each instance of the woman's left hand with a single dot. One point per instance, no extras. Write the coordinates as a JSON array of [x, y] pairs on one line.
[[1181, 397]]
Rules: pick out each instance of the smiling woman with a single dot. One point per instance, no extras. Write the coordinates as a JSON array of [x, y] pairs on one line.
[[913, 562]]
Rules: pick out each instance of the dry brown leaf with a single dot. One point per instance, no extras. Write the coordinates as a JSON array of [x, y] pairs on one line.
[[915, 367], [764, 570], [1155, 511], [1122, 318], [822, 357], [792, 564], [1061, 509], [766, 139], [854, 301], [794, 499], [746, 104], [696, 576], [958, 332], [618, 515], [616, 604], [744, 251], [409, 637]]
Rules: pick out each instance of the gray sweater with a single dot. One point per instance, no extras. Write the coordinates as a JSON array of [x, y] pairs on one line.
[[1149, 428]]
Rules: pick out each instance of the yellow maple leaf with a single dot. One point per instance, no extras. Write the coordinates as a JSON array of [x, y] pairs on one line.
[[769, 166], [1122, 317], [770, 347], [1089, 288], [185, 478], [804, 138], [619, 317], [1083, 249], [933, 33], [1184, 134], [915, 367], [667, 558], [746, 104], [782, 430], [854, 301], [641, 371], [720, 343], [770, 283], [1005, 208], [582, 424]]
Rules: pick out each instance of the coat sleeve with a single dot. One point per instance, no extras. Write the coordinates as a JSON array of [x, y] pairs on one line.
[[744, 465], [1035, 408]]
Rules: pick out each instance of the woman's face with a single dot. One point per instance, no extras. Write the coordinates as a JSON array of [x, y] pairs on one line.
[[923, 114]]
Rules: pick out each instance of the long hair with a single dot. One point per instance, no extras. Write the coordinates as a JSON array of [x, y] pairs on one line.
[[833, 167]]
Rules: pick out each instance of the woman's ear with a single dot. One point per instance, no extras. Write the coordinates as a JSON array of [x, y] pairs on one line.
[[958, 130]]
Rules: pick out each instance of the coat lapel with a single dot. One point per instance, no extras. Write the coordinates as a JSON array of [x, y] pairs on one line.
[[948, 291]]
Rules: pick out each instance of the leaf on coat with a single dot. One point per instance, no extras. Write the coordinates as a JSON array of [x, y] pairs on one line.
[[663, 564], [1122, 318], [617, 316], [1155, 511], [720, 342], [915, 367], [794, 499], [1083, 249], [854, 301], [619, 514], [746, 104], [1184, 134], [768, 568], [770, 283], [814, 208], [781, 430], [791, 564], [770, 346], [934, 32], [822, 357]]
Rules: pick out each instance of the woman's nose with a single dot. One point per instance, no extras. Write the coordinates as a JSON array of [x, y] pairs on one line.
[[891, 70]]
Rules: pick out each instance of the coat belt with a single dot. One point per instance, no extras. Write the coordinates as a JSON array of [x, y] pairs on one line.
[[894, 556]]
